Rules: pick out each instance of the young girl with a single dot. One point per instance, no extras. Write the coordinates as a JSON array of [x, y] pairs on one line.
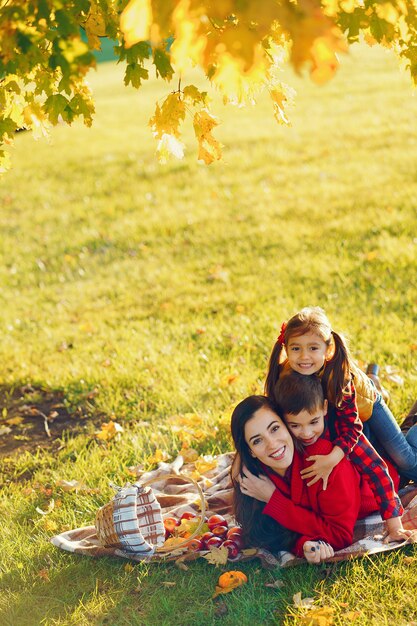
[[308, 345]]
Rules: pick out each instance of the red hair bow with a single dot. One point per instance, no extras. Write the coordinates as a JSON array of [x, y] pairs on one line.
[[280, 339]]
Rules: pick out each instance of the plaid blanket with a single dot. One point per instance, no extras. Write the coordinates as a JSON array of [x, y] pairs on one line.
[[178, 494]]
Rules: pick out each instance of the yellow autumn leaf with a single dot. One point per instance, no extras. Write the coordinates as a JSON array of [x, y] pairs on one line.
[[321, 616], [169, 146], [136, 21], [109, 430], [168, 117], [209, 148], [95, 26], [205, 464], [188, 454], [158, 456], [15, 421], [302, 602], [217, 556], [387, 12]]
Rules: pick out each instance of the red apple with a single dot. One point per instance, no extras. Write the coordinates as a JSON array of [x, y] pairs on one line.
[[188, 515], [219, 531], [232, 548], [214, 542], [195, 545], [170, 523], [216, 520], [234, 529], [204, 538], [236, 538]]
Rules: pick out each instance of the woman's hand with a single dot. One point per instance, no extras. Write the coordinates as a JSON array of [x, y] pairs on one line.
[[259, 487], [317, 551]]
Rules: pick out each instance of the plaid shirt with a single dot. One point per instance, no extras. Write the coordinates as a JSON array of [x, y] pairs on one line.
[[350, 438]]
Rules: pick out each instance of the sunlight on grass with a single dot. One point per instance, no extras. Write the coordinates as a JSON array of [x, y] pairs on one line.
[[144, 292]]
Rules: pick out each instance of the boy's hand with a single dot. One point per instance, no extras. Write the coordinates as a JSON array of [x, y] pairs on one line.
[[396, 531], [322, 467]]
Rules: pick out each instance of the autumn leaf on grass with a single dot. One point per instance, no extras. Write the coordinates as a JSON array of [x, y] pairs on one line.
[[14, 421], [277, 584], [157, 457], [302, 602], [209, 148], [188, 454], [109, 430], [320, 616], [217, 556], [229, 581], [49, 509]]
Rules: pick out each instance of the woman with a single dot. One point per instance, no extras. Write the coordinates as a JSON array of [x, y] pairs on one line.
[[273, 504]]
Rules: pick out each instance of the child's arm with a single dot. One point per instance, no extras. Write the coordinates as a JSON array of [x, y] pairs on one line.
[[347, 424], [322, 466], [368, 462]]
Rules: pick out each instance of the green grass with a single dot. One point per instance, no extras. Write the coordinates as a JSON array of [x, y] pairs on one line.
[[111, 266]]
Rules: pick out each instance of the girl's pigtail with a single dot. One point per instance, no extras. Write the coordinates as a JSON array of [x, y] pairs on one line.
[[338, 370], [273, 370]]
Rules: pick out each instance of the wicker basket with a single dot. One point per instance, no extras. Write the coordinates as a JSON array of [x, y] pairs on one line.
[[132, 520]]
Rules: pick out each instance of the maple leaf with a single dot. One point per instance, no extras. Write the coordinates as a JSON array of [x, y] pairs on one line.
[[168, 117], [302, 603], [209, 148], [95, 26], [320, 616], [134, 74], [109, 430], [217, 556], [162, 64]]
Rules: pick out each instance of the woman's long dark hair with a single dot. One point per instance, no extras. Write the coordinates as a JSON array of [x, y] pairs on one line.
[[258, 530]]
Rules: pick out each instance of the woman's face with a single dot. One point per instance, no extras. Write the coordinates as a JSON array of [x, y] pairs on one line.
[[269, 440]]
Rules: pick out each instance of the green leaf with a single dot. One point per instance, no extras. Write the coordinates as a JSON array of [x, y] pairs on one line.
[[54, 106], [162, 64], [134, 74], [7, 127], [84, 106]]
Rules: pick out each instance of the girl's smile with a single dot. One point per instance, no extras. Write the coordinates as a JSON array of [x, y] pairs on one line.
[[307, 353]]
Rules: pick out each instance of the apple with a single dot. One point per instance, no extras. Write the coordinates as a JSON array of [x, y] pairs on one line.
[[204, 538], [216, 520], [170, 524], [188, 515], [232, 548], [234, 529], [219, 531], [214, 542], [195, 545], [236, 538]]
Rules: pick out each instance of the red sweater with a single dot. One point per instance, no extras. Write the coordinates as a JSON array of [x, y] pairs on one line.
[[329, 515]]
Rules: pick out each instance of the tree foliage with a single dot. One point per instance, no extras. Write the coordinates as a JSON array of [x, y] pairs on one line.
[[239, 44]]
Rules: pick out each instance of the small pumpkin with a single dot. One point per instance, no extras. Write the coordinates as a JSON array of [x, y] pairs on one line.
[[234, 578]]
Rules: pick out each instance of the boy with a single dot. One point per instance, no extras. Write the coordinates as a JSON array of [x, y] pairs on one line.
[[301, 403]]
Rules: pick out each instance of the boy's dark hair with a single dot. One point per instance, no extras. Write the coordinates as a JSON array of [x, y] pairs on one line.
[[297, 392]]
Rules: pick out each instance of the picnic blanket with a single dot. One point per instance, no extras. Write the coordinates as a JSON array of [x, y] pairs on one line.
[[178, 494]]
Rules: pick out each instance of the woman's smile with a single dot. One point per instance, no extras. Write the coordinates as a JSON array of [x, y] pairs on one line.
[[269, 440]]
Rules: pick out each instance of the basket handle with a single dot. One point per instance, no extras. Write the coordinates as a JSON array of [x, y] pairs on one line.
[[148, 483]]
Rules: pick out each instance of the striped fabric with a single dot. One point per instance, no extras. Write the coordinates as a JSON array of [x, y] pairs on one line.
[[137, 520]]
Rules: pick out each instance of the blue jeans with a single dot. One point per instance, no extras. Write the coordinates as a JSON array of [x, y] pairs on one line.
[[385, 435]]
